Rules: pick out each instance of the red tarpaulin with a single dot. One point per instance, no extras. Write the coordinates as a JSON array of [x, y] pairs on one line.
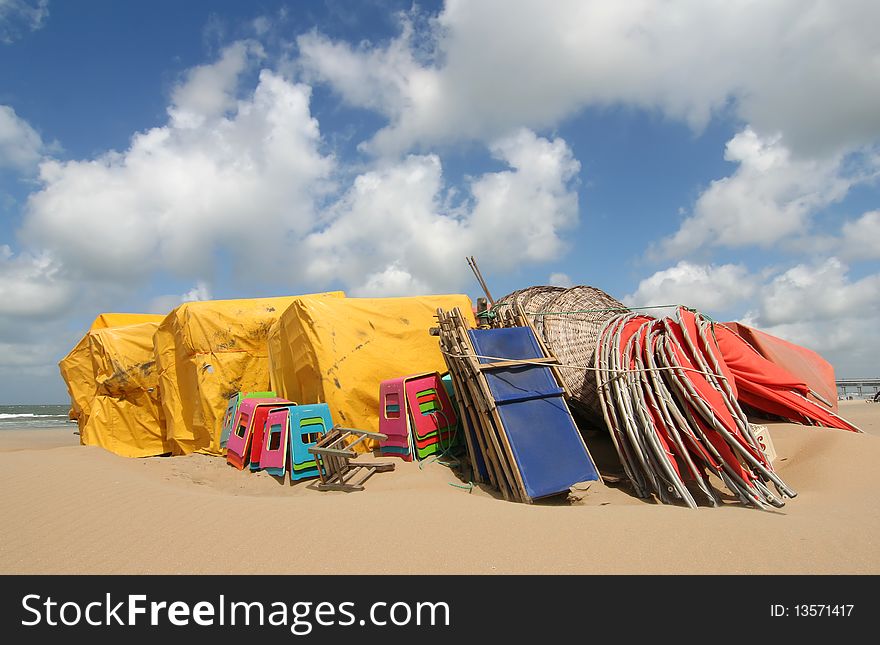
[[805, 364], [766, 386]]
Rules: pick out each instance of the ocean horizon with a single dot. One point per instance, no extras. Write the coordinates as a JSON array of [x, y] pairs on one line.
[[34, 416]]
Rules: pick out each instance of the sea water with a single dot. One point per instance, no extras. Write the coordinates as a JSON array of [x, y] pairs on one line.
[[34, 416]]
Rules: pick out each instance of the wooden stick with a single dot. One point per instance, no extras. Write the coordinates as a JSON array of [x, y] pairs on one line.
[[479, 405], [488, 402], [495, 426], [473, 264], [464, 408], [475, 407]]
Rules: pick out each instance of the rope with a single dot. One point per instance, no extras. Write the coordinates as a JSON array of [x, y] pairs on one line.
[[445, 452], [617, 372], [581, 311]]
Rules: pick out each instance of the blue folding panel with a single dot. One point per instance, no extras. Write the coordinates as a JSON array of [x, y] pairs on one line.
[[542, 434]]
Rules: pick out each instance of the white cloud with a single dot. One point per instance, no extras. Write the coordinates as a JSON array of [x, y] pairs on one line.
[[819, 306], [246, 175], [32, 286], [388, 80], [164, 304], [20, 145], [395, 232], [818, 292], [861, 238], [21, 15], [706, 287], [209, 91], [199, 292], [215, 176], [391, 281], [806, 69], [771, 195], [560, 280]]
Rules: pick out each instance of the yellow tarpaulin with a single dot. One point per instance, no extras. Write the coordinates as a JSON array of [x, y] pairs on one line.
[[103, 321], [207, 351], [79, 377], [338, 351], [77, 369], [274, 348], [126, 417]]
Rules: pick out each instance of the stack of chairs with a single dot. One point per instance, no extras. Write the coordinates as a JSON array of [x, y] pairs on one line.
[[393, 419], [290, 431], [417, 416], [244, 444], [521, 436], [230, 418]]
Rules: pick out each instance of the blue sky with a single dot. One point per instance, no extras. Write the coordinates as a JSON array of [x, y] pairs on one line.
[[722, 155]]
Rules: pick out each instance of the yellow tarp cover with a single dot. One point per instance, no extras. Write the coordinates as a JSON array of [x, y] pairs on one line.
[[103, 321], [126, 416], [338, 351], [77, 369], [275, 362], [207, 351]]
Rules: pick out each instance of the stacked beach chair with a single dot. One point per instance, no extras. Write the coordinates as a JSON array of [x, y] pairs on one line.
[[244, 444], [230, 418], [417, 416], [275, 435], [290, 432], [520, 434]]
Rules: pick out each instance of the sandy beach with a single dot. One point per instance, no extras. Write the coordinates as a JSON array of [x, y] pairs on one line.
[[79, 510]]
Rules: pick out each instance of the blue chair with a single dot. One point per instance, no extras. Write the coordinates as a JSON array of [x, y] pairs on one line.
[[308, 423]]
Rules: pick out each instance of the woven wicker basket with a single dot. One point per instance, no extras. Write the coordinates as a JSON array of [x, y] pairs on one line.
[[569, 321]]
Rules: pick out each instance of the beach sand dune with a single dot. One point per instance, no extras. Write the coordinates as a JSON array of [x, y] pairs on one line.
[[77, 509]]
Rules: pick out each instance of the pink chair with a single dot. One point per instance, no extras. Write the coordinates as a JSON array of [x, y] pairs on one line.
[[240, 442], [273, 456]]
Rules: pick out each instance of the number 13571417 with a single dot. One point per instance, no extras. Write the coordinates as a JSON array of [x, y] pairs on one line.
[[823, 610]]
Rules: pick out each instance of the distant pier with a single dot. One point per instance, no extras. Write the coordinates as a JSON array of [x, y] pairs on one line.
[[857, 388]]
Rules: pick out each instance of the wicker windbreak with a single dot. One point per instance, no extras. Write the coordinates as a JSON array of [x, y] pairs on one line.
[[569, 322]]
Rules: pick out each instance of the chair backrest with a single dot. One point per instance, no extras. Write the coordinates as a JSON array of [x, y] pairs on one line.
[[273, 455], [392, 408], [238, 443], [240, 446], [230, 418], [308, 424], [430, 409], [261, 413]]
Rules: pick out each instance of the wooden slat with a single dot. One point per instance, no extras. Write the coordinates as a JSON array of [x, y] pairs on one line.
[[463, 390], [463, 398], [512, 363], [503, 479], [342, 487], [336, 471], [497, 436], [332, 451]]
